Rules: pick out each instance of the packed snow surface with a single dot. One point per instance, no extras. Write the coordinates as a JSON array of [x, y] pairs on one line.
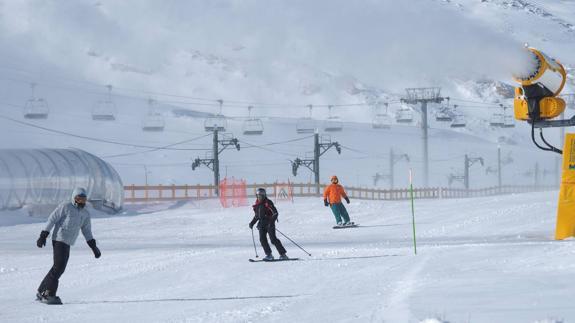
[[487, 259]]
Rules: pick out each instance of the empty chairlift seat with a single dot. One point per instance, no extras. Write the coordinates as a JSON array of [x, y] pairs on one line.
[[333, 123], [496, 120], [105, 110], [36, 108], [252, 126], [404, 115], [306, 125], [153, 120], [381, 121]]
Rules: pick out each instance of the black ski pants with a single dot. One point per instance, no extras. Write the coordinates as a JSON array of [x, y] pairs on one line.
[[61, 255], [271, 231]]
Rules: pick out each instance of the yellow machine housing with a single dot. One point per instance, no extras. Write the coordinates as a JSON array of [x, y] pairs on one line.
[[547, 74], [550, 107]]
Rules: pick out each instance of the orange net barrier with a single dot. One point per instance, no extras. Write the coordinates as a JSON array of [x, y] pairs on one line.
[[233, 192]]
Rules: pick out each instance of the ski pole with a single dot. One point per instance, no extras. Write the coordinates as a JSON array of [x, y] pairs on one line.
[[254, 241], [309, 254]]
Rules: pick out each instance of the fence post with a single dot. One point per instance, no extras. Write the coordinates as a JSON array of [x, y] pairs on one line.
[[173, 192], [160, 189], [146, 193]]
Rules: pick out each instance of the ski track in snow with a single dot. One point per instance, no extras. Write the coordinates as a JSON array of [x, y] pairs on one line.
[[479, 260]]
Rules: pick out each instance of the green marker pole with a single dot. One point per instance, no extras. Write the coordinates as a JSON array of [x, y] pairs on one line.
[[412, 211]]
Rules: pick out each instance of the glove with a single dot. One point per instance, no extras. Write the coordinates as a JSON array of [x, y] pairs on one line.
[[325, 202], [42, 240], [347, 200], [95, 250], [251, 225]]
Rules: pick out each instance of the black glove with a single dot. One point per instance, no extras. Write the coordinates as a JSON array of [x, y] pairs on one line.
[[42, 240], [325, 202], [251, 225], [347, 200], [95, 250]]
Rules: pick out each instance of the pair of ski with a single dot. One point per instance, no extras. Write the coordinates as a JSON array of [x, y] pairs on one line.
[[273, 260], [346, 226]]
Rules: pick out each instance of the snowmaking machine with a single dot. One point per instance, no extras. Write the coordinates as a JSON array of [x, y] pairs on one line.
[[537, 101]]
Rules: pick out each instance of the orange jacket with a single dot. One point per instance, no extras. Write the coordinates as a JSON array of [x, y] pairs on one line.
[[333, 193]]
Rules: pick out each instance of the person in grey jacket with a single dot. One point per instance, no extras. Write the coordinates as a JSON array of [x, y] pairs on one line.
[[67, 220]]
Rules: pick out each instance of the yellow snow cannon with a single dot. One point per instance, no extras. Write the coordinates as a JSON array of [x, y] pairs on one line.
[[541, 82]]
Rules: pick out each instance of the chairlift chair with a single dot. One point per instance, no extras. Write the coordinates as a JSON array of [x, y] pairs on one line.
[[105, 110], [458, 120], [306, 124], [333, 123], [443, 116], [381, 121], [509, 122], [496, 120], [153, 121], [217, 122], [252, 126], [443, 113], [404, 115], [36, 108]]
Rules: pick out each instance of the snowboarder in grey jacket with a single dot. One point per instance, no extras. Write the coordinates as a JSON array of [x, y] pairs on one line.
[[67, 220]]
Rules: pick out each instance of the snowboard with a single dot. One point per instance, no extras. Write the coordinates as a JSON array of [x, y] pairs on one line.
[[353, 225], [51, 301], [275, 260]]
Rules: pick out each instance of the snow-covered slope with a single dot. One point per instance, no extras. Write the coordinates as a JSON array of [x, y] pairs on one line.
[[278, 57], [478, 260]]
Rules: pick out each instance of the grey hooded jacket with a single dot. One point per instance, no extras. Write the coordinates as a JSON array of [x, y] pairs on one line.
[[67, 220]]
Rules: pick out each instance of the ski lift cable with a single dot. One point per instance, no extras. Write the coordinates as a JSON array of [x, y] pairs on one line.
[[156, 149], [94, 139]]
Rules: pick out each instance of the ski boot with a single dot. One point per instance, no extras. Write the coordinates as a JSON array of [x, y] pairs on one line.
[[269, 257], [46, 298], [348, 223], [340, 224], [284, 257]]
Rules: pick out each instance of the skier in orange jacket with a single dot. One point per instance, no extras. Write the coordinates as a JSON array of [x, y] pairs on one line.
[[332, 197]]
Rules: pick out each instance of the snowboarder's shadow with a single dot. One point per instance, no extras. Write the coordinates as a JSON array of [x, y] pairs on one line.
[[183, 299], [353, 257]]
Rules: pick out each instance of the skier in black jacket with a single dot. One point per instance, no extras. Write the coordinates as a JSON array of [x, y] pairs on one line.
[[266, 214]]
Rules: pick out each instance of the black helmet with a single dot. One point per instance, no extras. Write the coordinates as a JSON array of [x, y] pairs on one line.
[[261, 191]]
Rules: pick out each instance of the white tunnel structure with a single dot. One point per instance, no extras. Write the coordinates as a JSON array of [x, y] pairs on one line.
[[47, 177]]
